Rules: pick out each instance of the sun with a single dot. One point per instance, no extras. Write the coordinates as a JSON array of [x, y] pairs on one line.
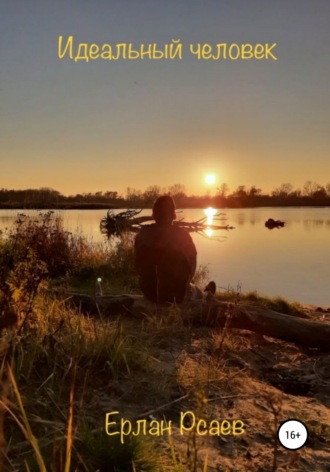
[[210, 179]]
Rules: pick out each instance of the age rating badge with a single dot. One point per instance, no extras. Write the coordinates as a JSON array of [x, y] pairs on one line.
[[292, 434]]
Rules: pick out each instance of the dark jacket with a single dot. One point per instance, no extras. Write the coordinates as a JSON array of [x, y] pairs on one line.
[[165, 259]]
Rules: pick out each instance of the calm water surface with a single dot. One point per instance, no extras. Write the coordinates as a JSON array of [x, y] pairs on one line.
[[292, 262]]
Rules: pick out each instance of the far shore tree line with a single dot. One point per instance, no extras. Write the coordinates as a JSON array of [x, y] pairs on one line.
[[311, 194]]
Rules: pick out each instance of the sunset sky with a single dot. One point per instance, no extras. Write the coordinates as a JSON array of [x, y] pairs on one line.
[[106, 125]]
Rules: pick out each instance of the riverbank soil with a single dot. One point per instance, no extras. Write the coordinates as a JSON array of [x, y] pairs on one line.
[[198, 398], [226, 376]]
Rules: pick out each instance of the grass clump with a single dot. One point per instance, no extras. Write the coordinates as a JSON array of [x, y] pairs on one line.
[[95, 451], [112, 261], [43, 237], [107, 454], [58, 367]]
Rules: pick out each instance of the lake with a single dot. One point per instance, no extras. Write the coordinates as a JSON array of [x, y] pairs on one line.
[[292, 262]]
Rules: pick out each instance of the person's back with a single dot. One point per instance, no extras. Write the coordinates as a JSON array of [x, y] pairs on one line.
[[165, 256]]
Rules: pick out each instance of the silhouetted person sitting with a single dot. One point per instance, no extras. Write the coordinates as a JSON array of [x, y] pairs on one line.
[[165, 256]]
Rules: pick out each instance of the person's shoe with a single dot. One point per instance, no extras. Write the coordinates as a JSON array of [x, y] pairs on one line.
[[211, 287], [193, 292]]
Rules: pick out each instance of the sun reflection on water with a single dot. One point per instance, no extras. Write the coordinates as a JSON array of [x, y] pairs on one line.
[[210, 213], [209, 232]]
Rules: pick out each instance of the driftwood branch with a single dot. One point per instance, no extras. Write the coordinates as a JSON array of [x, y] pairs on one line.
[[115, 224]]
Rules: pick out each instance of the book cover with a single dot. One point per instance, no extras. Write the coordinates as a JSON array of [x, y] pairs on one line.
[[108, 105]]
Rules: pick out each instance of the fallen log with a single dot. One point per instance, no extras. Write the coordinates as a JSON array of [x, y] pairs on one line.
[[211, 312], [102, 305], [262, 320]]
